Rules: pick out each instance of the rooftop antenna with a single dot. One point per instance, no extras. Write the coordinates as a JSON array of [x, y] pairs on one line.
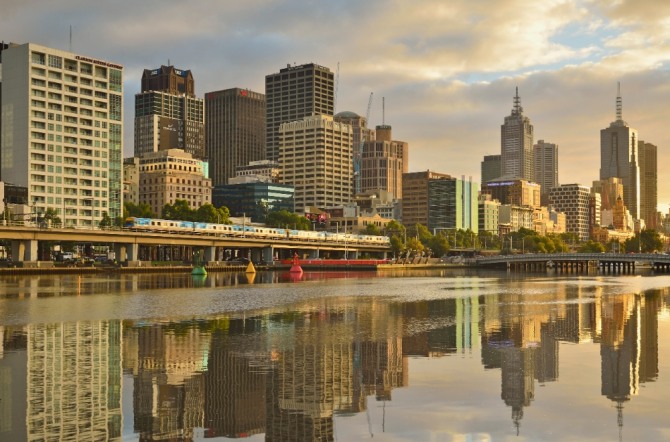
[[517, 104], [168, 62], [70, 38], [619, 106], [383, 111]]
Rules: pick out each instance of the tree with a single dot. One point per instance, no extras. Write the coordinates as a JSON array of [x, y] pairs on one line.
[[591, 247], [439, 245], [141, 210], [207, 213], [651, 241], [372, 229], [180, 210], [51, 215], [414, 245], [105, 222], [284, 219]]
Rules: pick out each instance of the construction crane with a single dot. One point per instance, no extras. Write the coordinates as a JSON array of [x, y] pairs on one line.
[[358, 152]]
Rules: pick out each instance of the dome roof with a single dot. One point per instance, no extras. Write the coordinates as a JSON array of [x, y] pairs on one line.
[[347, 114]]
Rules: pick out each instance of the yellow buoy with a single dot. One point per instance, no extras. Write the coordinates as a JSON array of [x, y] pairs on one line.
[[251, 268]]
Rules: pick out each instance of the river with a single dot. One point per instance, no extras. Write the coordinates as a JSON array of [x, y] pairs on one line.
[[407, 356]]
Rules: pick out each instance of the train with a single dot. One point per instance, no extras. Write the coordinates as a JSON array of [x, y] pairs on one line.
[[248, 231]]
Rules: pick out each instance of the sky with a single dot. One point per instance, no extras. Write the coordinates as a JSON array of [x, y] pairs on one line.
[[446, 71]]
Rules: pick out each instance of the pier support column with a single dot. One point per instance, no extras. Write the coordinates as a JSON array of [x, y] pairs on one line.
[[24, 250], [313, 254], [210, 254], [268, 254], [131, 251], [120, 252]]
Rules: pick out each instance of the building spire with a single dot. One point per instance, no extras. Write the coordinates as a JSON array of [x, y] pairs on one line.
[[517, 110], [619, 106]]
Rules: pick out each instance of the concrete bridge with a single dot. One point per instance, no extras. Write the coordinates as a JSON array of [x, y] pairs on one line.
[[126, 243], [578, 262]]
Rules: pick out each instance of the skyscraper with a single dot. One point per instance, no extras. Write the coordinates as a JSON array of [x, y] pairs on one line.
[[292, 94], [516, 142], [315, 154], [235, 131], [546, 166], [63, 137], [619, 158], [648, 183], [167, 113]]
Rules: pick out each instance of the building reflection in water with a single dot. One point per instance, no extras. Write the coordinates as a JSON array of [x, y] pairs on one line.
[[289, 372]]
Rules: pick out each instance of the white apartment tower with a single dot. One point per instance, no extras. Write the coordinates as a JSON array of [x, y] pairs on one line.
[[516, 144], [573, 200], [62, 131], [316, 158]]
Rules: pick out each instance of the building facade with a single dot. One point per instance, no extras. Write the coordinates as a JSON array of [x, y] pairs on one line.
[[489, 214], [254, 200], [384, 161], [415, 196], [292, 94], [516, 141], [619, 158], [257, 171], [169, 79], [516, 192], [545, 159], [171, 175], [491, 168], [362, 134], [315, 155], [452, 204], [165, 119], [648, 184], [131, 180], [63, 137], [235, 131], [573, 200]]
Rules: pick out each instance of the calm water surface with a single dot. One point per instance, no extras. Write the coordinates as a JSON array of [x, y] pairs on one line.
[[339, 356]]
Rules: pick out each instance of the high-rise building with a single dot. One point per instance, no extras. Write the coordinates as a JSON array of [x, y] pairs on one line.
[[362, 134], [63, 137], [648, 184], [619, 158], [491, 168], [170, 117], [315, 156], [384, 161], [516, 142], [235, 131], [545, 159], [292, 94], [574, 201]]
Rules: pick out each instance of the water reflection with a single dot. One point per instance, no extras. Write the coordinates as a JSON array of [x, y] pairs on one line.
[[289, 372]]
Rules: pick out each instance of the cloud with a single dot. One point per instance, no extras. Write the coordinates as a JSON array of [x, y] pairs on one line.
[[447, 69]]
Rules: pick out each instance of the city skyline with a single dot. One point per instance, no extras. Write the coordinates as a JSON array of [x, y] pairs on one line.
[[448, 73]]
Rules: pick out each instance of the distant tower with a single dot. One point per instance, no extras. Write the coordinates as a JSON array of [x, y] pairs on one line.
[[546, 167], [491, 168], [235, 132], [648, 162], [167, 113], [516, 139], [294, 93], [619, 158]]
